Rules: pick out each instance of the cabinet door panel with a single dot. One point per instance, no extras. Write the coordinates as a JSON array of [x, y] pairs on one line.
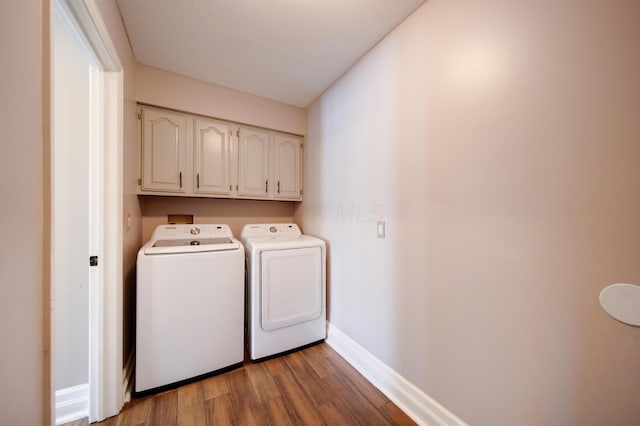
[[288, 167], [211, 157], [163, 150], [253, 167]]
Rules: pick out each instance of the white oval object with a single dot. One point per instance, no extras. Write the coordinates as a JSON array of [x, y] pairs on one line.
[[622, 301]]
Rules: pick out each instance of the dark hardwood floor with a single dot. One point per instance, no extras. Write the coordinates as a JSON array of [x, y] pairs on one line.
[[314, 386]]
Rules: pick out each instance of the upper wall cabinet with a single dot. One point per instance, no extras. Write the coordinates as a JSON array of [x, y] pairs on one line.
[[253, 166], [163, 151], [187, 155], [287, 166], [212, 157], [270, 165]]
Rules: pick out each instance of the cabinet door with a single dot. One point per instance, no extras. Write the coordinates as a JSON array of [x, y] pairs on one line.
[[163, 150], [253, 166], [212, 153], [288, 167]]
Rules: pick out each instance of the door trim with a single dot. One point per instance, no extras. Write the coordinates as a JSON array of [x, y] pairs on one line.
[[105, 304]]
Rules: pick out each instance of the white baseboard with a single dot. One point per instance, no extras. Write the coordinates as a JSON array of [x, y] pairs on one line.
[[423, 409], [127, 377], [72, 403]]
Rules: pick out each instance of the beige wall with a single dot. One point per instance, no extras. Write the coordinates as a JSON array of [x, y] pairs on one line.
[[499, 141], [169, 90], [24, 383], [234, 213], [132, 233]]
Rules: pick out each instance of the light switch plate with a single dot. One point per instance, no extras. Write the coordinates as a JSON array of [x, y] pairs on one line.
[[381, 229]]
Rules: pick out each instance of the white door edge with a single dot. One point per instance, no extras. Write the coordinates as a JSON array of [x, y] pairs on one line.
[[105, 304]]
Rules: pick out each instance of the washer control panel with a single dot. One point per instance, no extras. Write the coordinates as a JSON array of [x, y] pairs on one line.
[[183, 238], [184, 231]]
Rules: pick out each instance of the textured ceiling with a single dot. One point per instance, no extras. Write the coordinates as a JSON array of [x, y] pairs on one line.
[[285, 50]]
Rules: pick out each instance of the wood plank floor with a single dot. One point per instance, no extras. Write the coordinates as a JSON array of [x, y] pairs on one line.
[[315, 386]]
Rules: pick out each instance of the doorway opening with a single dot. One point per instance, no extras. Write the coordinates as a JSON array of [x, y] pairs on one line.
[[86, 204]]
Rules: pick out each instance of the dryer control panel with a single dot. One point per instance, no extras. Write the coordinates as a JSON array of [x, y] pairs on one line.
[[270, 229]]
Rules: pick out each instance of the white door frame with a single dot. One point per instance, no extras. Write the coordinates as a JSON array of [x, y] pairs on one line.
[[106, 394]]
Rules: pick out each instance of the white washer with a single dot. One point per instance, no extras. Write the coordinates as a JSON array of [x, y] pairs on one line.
[[190, 304], [286, 292]]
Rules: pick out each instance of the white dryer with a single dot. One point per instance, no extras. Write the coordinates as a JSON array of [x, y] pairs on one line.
[[190, 304], [286, 278]]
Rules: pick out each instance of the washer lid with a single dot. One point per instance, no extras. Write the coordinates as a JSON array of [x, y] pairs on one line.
[[191, 245]]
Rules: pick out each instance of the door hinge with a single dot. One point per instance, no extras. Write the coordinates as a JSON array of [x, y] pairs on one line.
[[238, 133], [93, 260], [139, 181], [139, 116], [301, 192]]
